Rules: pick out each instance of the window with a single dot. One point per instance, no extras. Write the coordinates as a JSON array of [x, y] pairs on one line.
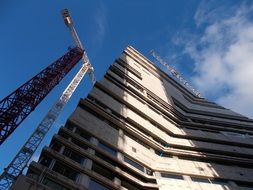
[[210, 131], [33, 175], [146, 71], [72, 155], [56, 146], [53, 185], [163, 154], [219, 181], [45, 161], [154, 110], [134, 164], [190, 128], [80, 144], [201, 180], [107, 149], [136, 139], [98, 168], [93, 185], [70, 127], [129, 68], [104, 158], [64, 170], [83, 134], [129, 185], [233, 134], [244, 184], [161, 142], [172, 176], [136, 65], [63, 134]]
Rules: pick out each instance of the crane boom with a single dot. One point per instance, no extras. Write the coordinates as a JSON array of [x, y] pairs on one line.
[[20, 161], [19, 104], [175, 73], [70, 24]]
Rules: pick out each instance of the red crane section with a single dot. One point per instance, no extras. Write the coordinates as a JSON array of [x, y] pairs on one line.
[[19, 104]]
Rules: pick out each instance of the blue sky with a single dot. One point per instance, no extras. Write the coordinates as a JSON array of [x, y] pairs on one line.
[[209, 42]]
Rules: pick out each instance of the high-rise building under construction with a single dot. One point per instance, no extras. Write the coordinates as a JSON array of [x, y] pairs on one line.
[[140, 129]]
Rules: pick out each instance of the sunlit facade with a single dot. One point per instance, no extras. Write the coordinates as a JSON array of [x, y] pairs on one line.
[[139, 129]]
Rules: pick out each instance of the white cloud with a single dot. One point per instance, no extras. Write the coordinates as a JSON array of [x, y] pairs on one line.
[[223, 56], [100, 24]]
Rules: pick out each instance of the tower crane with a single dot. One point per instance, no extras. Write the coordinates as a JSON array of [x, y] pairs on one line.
[[22, 158], [19, 104], [175, 73], [70, 24]]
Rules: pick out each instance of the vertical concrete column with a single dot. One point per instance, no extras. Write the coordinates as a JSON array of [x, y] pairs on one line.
[[117, 181], [121, 139], [74, 129], [157, 174], [152, 150], [158, 179], [120, 156], [62, 149], [69, 139], [188, 180], [53, 160], [145, 93], [83, 180]]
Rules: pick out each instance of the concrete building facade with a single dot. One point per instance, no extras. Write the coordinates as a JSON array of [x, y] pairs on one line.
[[139, 129]]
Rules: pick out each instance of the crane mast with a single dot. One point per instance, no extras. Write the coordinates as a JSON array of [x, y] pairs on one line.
[[175, 73], [22, 158]]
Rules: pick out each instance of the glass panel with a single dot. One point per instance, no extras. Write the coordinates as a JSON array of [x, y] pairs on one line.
[[80, 144], [96, 186], [102, 170], [172, 176], [134, 164], [219, 181], [56, 146], [33, 175], [202, 180], [104, 158], [233, 134], [73, 155], [163, 154], [108, 149], [63, 134], [53, 184], [66, 171], [128, 185], [70, 127], [83, 134], [45, 161]]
